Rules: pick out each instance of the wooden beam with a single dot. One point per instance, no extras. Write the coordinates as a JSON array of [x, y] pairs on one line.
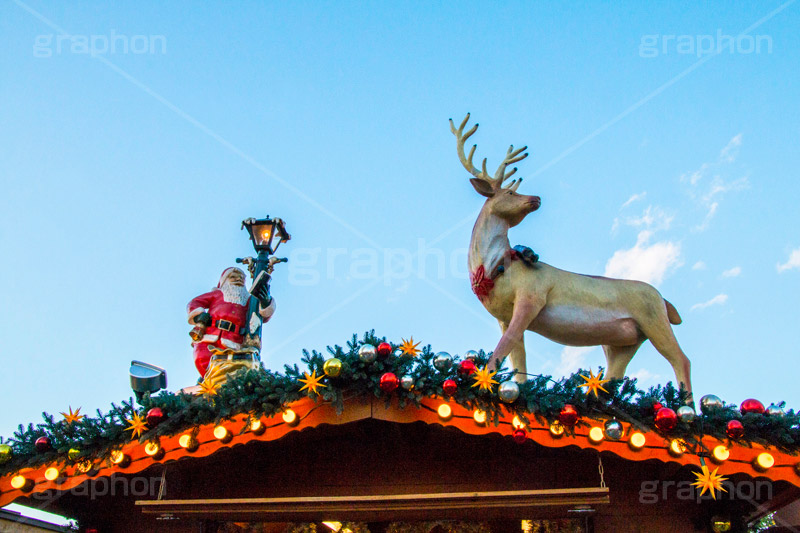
[[359, 506]]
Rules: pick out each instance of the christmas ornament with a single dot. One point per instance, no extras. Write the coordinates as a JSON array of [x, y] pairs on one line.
[[735, 429], [613, 429], [137, 425], [332, 367], [568, 415], [657, 407], [709, 481], [407, 382], [71, 417], [5, 453], [709, 403], [752, 406], [409, 348], [520, 436], [449, 387], [593, 383], [43, 444], [666, 419], [775, 410], [311, 383], [471, 355], [384, 349], [686, 413], [442, 361], [367, 353], [73, 454], [388, 382], [154, 416], [483, 379], [209, 387], [720, 524], [508, 391], [466, 367]]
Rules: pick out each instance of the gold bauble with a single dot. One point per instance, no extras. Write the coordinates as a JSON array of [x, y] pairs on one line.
[[73, 453], [5, 453], [332, 367]]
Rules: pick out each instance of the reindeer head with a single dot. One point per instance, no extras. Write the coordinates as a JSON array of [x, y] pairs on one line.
[[503, 202]]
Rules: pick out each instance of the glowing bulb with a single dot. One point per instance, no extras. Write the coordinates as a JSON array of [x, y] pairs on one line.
[[517, 423], [721, 453], [596, 434], [764, 461], [188, 442], [637, 440], [290, 417], [52, 474], [445, 412], [556, 429], [84, 467], [221, 433], [153, 449], [677, 447], [120, 459], [257, 426], [479, 417], [21, 483]]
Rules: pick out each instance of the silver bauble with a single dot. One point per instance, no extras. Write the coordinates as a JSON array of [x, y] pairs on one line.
[[613, 430], [407, 382], [775, 410], [471, 355], [367, 353], [686, 413], [709, 403], [442, 361], [508, 391]]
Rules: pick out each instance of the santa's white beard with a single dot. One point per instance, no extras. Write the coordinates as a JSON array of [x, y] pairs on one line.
[[234, 294]]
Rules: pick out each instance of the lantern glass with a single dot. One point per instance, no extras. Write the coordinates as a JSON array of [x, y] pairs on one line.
[[266, 233]]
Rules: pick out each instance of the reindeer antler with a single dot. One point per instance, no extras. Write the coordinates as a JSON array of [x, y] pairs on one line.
[[512, 156]]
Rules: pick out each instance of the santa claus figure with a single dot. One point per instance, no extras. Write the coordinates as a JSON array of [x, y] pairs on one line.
[[223, 314]]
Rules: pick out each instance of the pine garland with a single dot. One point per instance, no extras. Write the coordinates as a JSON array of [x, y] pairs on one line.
[[266, 393]]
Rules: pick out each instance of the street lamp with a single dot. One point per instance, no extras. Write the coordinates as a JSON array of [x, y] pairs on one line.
[[266, 233]]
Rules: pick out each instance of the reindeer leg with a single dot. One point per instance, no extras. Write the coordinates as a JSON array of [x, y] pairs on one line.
[[618, 357], [525, 310], [517, 355]]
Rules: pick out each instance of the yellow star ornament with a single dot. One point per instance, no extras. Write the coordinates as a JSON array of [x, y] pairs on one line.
[[312, 382], [137, 425], [409, 348], [709, 481], [483, 378], [71, 417], [593, 383]]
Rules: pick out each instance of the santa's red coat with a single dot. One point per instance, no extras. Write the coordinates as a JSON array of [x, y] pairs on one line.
[[214, 304]]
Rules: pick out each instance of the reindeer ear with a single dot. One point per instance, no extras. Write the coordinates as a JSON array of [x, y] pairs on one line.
[[482, 187]]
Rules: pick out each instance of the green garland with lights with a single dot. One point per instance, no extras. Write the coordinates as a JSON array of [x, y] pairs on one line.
[[266, 393]]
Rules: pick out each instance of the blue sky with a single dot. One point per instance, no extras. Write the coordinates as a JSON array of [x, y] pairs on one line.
[[663, 142]]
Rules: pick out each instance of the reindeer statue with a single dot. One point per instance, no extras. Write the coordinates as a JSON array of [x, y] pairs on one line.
[[572, 309]]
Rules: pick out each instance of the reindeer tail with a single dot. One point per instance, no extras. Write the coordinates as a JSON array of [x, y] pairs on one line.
[[672, 314]]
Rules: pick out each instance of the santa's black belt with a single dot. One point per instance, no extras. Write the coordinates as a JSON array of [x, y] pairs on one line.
[[226, 325], [233, 357]]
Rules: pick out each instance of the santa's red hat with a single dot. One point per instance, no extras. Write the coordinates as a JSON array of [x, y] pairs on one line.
[[226, 274]]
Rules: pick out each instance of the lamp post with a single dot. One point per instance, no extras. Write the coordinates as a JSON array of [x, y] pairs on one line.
[[267, 235]]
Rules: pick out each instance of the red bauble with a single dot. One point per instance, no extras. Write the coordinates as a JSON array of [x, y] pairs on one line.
[[657, 407], [466, 367], [520, 436], [384, 349], [735, 429], [666, 419], [568, 415], [449, 387], [154, 416], [752, 406], [388, 382], [42, 444]]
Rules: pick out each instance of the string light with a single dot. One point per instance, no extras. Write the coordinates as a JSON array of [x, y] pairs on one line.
[[596, 434], [556, 429], [479, 417], [720, 454], [290, 417], [154, 450], [677, 447], [21, 483], [52, 473], [637, 440], [120, 459], [445, 411], [223, 434], [764, 461], [188, 442], [257, 426]]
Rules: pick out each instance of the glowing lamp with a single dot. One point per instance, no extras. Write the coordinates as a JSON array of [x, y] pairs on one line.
[[290, 417], [556, 429], [154, 450], [517, 423], [763, 462], [222, 434], [720, 454], [266, 233], [21, 483], [188, 442], [52, 473], [445, 411], [479, 417], [257, 426], [596, 434], [677, 447], [637, 440], [120, 459]]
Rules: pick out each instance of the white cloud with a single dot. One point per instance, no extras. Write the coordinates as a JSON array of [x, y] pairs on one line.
[[572, 358], [634, 198], [700, 265], [732, 272], [719, 299], [644, 376], [645, 262], [792, 262], [697, 175], [731, 150]]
